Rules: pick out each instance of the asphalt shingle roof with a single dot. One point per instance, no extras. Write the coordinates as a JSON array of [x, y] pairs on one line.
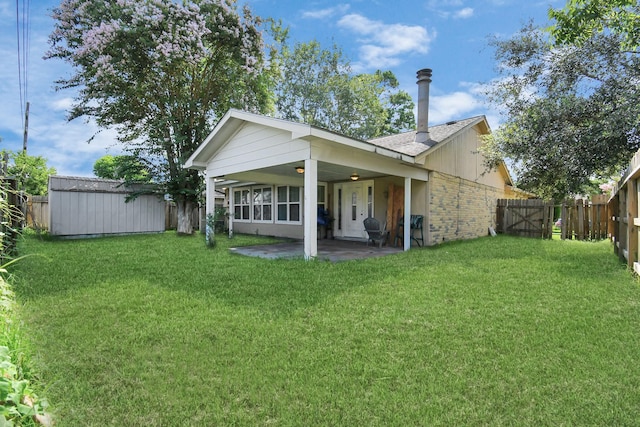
[[405, 142]]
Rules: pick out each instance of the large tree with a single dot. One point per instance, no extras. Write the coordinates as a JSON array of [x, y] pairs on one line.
[[317, 86], [579, 20], [161, 72], [571, 111], [122, 167], [31, 172]]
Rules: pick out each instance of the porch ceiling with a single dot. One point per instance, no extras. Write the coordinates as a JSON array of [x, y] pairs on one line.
[[327, 172]]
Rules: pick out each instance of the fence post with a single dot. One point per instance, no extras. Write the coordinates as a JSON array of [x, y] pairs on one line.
[[612, 222], [547, 220], [622, 227], [565, 220], [632, 215], [580, 219]]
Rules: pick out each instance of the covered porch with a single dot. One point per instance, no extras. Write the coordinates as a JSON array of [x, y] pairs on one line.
[[279, 175]]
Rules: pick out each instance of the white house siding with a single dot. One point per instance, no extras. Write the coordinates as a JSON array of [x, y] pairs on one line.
[[255, 147], [269, 229], [461, 157], [93, 207]]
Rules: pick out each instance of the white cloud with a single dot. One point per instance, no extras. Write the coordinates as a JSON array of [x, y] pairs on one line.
[[434, 4], [465, 13], [63, 104], [326, 13], [384, 45], [452, 106]]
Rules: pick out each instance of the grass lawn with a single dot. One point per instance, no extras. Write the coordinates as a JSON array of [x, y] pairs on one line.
[[161, 331]]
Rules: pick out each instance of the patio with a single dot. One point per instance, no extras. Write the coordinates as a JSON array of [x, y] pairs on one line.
[[328, 250]]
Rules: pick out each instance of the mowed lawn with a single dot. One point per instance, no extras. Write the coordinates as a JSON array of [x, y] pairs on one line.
[[161, 331]]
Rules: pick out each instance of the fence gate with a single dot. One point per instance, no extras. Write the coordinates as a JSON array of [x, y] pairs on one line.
[[525, 218]]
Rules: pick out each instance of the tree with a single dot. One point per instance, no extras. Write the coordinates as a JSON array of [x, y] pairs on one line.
[[579, 20], [316, 86], [571, 111], [161, 72], [124, 167], [31, 172]]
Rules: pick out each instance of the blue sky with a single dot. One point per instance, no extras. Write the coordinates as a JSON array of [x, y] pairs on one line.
[[448, 36]]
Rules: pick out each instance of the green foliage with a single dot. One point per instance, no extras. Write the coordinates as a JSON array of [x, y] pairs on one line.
[[215, 225], [31, 172], [580, 20], [124, 167], [211, 231], [571, 112], [316, 86], [10, 220], [19, 405], [161, 73], [496, 331]]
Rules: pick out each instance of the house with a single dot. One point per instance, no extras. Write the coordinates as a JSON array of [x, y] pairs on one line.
[[278, 174]]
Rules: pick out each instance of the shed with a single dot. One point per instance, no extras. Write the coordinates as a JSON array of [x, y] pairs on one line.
[[91, 207]]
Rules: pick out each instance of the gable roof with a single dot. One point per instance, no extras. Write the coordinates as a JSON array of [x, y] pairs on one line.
[[401, 146], [406, 142], [233, 120]]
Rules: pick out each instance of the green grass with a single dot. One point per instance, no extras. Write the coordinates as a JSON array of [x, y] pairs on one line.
[[160, 331]]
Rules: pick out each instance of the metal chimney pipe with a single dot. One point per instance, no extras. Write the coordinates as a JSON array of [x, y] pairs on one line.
[[424, 79]]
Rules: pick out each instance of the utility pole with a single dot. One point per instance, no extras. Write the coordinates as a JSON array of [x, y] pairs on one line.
[[26, 129]]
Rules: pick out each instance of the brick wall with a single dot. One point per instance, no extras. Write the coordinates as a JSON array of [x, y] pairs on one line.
[[460, 209]]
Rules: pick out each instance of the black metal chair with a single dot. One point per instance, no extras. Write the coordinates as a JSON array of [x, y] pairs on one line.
[[415, 224], [377, 233]]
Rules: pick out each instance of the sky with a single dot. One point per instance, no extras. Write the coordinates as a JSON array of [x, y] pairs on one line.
[[449, 36]]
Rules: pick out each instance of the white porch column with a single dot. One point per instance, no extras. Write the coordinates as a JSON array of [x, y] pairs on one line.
[[231, 211], [210, 204], [407, 214], [310, 208]]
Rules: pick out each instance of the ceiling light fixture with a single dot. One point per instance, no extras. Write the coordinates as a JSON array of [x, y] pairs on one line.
[[299, 169], [354, 176]]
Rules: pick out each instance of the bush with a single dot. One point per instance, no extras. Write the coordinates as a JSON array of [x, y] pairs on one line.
[[19, 405]]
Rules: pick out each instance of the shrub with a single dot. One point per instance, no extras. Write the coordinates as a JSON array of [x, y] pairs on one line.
[[19, 405]]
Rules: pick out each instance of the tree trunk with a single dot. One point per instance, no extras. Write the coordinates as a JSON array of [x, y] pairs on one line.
[[185, 209]]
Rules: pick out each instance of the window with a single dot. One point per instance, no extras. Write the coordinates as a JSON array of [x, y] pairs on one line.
[[262, 204], [321, 197], [288, 204], [241, 205], [354, 206], [370, 201]]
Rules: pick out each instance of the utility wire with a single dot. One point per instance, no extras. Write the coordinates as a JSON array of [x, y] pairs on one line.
[[23, 32]]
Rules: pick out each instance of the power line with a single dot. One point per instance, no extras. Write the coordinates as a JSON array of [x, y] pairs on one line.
[[23, 32]]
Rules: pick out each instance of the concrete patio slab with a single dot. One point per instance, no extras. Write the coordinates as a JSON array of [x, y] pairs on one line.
[[329, 250]]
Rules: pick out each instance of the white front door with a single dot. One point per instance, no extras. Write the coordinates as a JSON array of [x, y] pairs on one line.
[[355, 203]]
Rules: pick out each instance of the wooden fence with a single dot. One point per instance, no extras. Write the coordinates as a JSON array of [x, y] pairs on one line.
[[585, 219], [37, 212], [525, 218], [624, 221], [580, 219], [171, 217], [10, 216]]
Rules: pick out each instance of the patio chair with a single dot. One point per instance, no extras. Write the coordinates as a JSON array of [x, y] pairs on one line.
[[415, 224], [325, 223], [377, 233]]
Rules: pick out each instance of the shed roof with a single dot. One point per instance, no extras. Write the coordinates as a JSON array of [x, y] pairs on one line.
[[91, 185]]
